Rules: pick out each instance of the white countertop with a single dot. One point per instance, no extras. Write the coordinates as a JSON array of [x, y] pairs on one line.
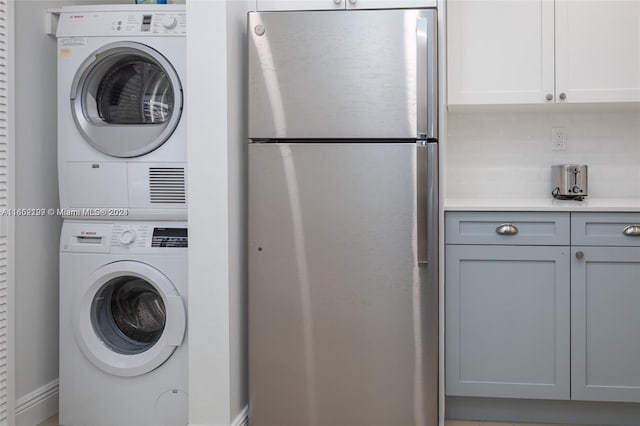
[[543, 204]]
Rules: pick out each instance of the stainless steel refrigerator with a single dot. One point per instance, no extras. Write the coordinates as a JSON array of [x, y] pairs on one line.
[[343, 218]]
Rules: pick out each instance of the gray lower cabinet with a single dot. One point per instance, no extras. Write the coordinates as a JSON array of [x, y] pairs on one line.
[[532, 317], [507, 299], [605, 308], [507, 321]]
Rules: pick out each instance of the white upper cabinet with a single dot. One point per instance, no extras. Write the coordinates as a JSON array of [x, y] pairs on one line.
[[500, 52], [543, 51], [390, 4], [272, 5], [598, 51]]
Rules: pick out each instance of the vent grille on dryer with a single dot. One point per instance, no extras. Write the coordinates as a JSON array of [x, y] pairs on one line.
[[167, 185]]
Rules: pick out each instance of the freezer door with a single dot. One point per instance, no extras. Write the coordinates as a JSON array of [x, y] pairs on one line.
[[342, 311], [343, 74]]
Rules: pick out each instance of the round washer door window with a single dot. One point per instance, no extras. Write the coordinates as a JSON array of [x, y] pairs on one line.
[[128, 314], [130, 320], [126, 99]]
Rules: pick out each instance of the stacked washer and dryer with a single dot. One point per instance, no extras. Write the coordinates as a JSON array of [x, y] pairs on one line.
[[123, 248]]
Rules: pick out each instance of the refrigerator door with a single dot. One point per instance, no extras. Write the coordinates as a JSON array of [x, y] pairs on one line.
[[343, 75], [342, 298]]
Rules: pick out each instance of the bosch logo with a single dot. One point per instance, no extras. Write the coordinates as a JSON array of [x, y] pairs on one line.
[[88, 233], [77, 16]]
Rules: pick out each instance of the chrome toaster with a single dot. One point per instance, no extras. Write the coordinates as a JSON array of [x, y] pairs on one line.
[[569, 181]]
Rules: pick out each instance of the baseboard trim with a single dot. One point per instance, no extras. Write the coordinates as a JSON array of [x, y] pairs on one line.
[[539, 411], [38, 405], [243, 418]]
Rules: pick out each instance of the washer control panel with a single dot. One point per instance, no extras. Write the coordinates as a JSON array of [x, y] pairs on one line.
[[170, 237], [151, 237], [130, 235], [162, 235]]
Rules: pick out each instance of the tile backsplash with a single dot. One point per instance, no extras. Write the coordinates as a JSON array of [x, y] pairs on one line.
[[509, 154]]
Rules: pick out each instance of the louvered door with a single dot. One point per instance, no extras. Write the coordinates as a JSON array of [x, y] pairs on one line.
[[6, 24]]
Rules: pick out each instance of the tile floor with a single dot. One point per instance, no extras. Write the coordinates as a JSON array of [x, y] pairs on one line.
[[53, 421], [477, 423]]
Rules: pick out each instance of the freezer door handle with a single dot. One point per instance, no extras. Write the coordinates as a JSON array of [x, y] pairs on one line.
[[427, 78], [427, 199]]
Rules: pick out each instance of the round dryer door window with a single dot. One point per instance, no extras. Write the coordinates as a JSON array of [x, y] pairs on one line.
[[126, 99], [130, 320]]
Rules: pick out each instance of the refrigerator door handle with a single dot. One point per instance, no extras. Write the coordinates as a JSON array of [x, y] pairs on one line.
[[427, 82], [427, 199]]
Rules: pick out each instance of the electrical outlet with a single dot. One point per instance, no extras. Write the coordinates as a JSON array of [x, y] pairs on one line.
[[559, 138]]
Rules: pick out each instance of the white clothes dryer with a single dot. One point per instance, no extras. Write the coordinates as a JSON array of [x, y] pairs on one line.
[[123, 323], [121, 118]]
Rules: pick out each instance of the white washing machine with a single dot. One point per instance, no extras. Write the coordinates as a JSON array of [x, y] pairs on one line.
[[123, 322], [121, 118]]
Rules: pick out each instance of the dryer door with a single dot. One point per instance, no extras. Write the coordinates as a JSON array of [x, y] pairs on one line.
[[130, 320], [126, 99]]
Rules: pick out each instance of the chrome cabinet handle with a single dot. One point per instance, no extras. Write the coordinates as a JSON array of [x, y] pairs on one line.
[[549, 97], [632, 231], [579, 255], [352, 1], [506, 229], [563, 96], [337, 1]]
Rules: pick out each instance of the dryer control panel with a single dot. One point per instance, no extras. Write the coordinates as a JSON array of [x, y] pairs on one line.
[[85, 22]]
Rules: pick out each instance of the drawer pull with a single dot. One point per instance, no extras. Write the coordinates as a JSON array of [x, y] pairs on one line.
[[579, 255], [506, 229], [632, 231]]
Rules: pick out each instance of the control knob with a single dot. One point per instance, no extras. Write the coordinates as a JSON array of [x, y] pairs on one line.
[[169, 22], [127, 237]]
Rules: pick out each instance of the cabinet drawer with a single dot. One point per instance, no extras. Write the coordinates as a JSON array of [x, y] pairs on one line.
[[539, 228], [605, 229]]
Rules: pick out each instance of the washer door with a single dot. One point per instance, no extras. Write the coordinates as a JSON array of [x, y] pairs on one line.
[[126, 99], [130, 320]]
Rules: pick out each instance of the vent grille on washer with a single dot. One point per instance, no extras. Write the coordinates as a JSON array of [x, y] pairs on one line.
[[167, 185]]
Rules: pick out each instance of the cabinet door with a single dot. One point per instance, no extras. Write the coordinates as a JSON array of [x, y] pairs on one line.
[[390, 4], [605, 324], [598, 50], [507, 321], [500, 52], [273, 5]]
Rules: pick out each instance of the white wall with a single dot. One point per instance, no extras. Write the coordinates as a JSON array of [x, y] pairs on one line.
[[509, 154], [217, 211], [237, 187], [36, 239]]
